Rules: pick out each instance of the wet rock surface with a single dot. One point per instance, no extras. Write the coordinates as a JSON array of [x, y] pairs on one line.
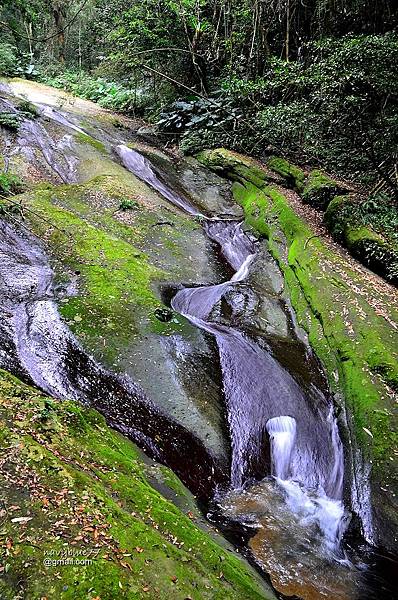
[[222, 384]]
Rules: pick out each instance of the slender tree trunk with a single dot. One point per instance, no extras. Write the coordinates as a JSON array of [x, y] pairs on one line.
[[29, 35], [287, 36], [59, 13]]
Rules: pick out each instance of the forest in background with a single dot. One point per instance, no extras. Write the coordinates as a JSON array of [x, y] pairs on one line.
[[314, 82]]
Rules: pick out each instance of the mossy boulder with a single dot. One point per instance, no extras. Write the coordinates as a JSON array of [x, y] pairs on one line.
[[80, 520], [320, 189], [226, 162], [293, 176], [371, 248], [82, 138], [336, 215]]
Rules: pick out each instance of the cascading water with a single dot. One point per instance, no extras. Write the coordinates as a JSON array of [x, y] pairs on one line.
[[306, 451], [275, 427], [282, 435], [142, 168]]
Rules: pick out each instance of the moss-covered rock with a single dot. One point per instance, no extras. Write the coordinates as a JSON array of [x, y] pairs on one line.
[[335, 217], [231, 164], [82, 138], [294, 176], [79, 519], [371, 248], [320, 189], [351, 326]]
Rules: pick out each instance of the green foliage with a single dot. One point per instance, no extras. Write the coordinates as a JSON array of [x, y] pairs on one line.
[[10, 121], [336, 106], [8, 60], [10, 185], [126, 204], [201, 123], [106, 93], [197, 114], [28, 109]]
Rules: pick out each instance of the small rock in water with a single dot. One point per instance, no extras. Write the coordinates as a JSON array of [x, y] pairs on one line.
[[164, 314]]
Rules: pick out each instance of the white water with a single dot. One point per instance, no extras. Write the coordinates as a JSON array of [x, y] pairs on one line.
[[319, 509], [282, 432]]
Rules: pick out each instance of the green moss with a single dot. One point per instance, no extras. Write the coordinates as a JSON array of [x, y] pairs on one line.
[[320, 189], [234, 165], [336, 215], [294, 176], [347, 326], [84, 490], [344, 220], [116, 298], [82, 138], [357, 235]]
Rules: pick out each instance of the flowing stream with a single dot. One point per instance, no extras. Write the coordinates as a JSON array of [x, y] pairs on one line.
[[265, 406], [285, 445]]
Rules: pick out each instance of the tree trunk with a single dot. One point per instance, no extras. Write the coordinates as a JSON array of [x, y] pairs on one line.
[[59, 13]]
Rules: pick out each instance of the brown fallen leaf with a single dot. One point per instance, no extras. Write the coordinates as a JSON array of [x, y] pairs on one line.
[[139, 549]]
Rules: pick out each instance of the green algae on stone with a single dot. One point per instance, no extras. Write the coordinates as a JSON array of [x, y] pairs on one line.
[[294, 176], [229, 163], [115, 277], [371, 248], [320, 189], [82, 138], [81, 519]]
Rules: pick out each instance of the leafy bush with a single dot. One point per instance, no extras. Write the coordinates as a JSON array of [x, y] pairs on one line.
[[8, 60], [10, 184], [28, 109], [202, 123], [128, 204], [10, 121], [338, 105], [107, 93]]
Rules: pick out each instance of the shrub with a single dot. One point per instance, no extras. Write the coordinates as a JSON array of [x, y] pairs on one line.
[[10, 184], [10, 121], [8, 60], [108, 94], [28, 109], [128, 204]]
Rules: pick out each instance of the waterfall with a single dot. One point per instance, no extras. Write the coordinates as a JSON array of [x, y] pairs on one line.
[[306, 452], [282, 431]]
